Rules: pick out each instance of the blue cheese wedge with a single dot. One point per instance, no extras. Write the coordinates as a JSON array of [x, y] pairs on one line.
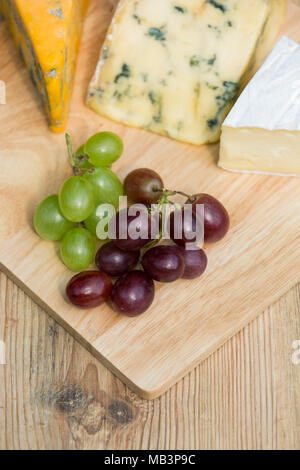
[[262, 132], [175, 67]]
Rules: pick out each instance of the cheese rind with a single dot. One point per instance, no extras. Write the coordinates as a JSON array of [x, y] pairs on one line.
[[262, 131], [47, 34], [173, 68]]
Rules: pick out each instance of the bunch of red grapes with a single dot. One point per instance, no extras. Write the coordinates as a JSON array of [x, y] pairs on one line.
[[137, 263]]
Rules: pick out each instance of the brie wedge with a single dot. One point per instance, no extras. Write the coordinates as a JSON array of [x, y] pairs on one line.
[[261, 134]]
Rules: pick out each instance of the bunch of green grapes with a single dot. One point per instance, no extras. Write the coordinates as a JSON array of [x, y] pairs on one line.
[[71, 216]]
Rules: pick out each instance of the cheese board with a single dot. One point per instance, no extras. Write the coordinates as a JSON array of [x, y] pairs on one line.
[[256, 263]]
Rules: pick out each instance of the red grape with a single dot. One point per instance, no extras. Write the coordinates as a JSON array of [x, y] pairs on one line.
[[89, 289], [132, 232], [185, 227], [163, 263], [216, 218], [132, 294], [143, 185], [195, 262], [114, 261]]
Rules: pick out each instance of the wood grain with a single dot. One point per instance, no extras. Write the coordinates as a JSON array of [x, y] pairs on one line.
[[250, 269], [56, 395]]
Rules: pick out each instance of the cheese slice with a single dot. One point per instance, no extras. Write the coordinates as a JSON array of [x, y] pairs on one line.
[[261, 134], [47, 33], [175, 67]]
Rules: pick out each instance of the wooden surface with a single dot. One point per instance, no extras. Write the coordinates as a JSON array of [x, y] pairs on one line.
[[256, 264], [55, 395]]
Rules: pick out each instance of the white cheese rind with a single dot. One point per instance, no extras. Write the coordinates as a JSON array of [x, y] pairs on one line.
[[257, 172], [176, 67], [272, 98], [262, 132]]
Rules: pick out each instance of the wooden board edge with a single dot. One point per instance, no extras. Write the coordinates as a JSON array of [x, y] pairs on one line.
[[73, 332], [148, 394]]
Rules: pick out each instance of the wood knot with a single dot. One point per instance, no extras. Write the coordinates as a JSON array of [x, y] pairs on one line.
[[52, 331], [70, 400], [120, 412]]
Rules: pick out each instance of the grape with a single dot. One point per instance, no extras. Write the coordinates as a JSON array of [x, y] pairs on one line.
[[80, 151], [92, 221], [107, 186], [184, 225], [78, 249], [76, 199], [89, 289], [104, 148], [143, 186], [216, 218], [82, 163], [132, 294], [49, 222], [163, 263], [195, 262], [114, 261], [101, 212], [132, 232]]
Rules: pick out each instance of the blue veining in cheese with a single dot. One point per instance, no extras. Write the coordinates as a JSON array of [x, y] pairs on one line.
[[177, 67]]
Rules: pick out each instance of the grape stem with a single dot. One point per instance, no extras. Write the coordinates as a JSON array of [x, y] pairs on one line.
[[75, 168], [69, 147], [83, 158], [164, 199], [167, 193], [150, 245]]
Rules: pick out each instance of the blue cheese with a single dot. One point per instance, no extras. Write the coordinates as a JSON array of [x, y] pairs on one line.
[[177, 67]]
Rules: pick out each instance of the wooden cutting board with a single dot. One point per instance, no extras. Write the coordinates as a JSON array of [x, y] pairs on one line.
[[257, 262]]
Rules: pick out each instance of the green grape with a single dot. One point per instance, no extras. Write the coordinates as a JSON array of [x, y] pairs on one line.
[[104, 148], [76, 199], [78, 249], [49, 222], [92, 221], [103, 211], [82, 163], [107, 186]]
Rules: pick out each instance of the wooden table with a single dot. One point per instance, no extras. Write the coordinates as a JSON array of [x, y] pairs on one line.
[[56, 395]]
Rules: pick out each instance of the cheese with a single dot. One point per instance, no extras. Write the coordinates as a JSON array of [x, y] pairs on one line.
[[47, 33], [175, 67], [262, 132]]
